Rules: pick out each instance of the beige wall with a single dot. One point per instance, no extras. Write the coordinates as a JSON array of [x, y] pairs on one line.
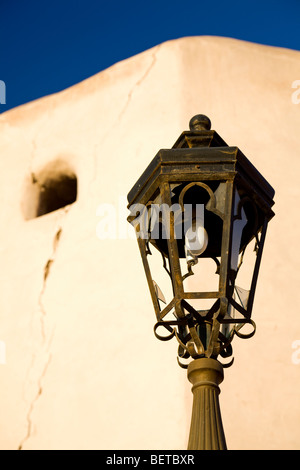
[[82, 367]]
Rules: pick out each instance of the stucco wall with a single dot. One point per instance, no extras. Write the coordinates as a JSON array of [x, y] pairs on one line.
[[82, 367]]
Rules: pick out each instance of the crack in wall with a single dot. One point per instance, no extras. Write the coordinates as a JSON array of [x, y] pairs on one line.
[[47, 269], [46, 272], [35, 399], [124, 109], [121, 114], [139, 82]]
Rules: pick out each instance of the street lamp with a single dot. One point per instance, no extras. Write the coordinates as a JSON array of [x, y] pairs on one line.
[[200, 207]]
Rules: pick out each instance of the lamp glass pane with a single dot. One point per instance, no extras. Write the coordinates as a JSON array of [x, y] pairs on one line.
[[239, 222]]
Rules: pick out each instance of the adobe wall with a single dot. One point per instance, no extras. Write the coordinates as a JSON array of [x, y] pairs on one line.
[[81, 367]]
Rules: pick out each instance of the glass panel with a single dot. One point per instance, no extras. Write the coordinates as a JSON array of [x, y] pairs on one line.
[[242, 261], [238, 226], [198, 229], [201, 206], [155, 235], [246, 265], [240, 296], [217, 204]]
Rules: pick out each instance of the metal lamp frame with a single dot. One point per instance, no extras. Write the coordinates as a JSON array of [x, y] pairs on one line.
[[200, 156]]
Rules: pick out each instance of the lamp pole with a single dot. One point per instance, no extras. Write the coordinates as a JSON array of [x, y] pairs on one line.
[[206, 431]]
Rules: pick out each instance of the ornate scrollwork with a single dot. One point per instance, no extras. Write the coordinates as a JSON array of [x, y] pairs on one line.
[[187, 331]]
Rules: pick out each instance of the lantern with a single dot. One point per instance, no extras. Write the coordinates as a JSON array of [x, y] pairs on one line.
[[201, 206]]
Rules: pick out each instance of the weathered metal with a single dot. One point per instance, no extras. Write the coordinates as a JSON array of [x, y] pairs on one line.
[[201, 171], [206, 431]]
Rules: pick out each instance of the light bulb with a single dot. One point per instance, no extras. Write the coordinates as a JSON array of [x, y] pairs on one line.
[[196, 240]]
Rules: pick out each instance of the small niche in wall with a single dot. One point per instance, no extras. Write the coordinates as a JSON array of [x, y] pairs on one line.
[[50, 189]]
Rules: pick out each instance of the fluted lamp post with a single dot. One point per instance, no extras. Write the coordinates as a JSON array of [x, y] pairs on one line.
[[202, 208]]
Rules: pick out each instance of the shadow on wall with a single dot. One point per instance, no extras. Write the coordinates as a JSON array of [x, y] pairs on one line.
[[53, 187]]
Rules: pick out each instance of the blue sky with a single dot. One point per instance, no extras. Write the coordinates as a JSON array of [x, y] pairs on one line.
[[48, 46]]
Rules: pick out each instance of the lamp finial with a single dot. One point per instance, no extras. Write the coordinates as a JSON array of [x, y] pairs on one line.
[[200, 122]]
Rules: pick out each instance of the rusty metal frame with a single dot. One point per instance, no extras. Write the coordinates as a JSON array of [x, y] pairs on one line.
[[198, 157]]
